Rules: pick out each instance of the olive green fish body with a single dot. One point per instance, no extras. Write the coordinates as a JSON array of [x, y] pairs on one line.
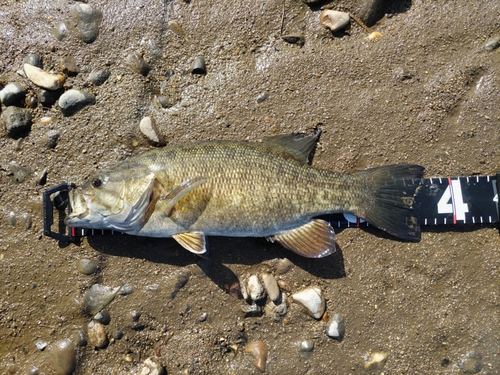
[[239, 188]]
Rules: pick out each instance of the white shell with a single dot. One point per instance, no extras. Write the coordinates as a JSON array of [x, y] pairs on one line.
[[312, 299]]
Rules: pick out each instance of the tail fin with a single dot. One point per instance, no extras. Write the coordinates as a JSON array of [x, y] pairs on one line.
[[392, 189]]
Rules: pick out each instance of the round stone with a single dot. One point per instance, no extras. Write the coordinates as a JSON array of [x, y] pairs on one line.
[[87, 266], [74, 100], [12, 94]]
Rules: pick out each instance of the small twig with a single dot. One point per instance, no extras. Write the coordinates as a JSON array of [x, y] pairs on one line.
[[282, 18], [360, 23]]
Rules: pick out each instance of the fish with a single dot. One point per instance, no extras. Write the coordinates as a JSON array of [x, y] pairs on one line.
[[266, 188]]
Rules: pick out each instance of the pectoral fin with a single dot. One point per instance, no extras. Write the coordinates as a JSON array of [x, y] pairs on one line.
[[180, 191], [192, 241], [315, 239]]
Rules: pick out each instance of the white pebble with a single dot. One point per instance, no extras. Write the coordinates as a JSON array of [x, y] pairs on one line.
[[255, 288], [44, 79], [312, 299], [336, 327], [334, 20], [151, 132], [376, 361], [271, 286]]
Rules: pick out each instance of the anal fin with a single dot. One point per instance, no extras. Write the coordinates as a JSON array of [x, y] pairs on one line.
[[193, 241], [315, 239]]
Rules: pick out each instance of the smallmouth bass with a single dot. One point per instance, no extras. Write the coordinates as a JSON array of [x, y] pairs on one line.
[[244, 189]]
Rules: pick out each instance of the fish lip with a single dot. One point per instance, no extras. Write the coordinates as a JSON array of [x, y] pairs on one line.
[[73, 215]]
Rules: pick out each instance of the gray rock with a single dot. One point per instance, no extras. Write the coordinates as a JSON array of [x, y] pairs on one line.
[[64, 357], [19, 173], [262, 96], [103, 317], [98, 297], [252, 310], [98, 78], [17, 121], [12, 94], [87, 266], [307, 346], [371, 11], [34, 59], [335, 327], [80, 339], [88, 20], [48, 98], [73, 100], [125, 290], [51, 139], [472, 363], [60, 30]]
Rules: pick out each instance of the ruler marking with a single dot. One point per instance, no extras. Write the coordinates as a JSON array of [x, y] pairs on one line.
[[473, 220], [488, 178], [454, 208], [425, 221]]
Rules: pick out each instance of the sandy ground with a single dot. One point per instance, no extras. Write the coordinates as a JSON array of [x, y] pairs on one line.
[[427, 92]]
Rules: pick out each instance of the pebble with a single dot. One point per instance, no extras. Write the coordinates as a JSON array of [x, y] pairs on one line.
[[262, 96], [283, 266], [33, 370], [152, 366], [375, 35], [40, 344], [88, 20], [376, 361], [137, 64], [271, 286], [334, 20], [312, 299], [151, 132], [258, 351], [335, 327], [371, 11], [118, 334], [12, 94], [48, 98], [68, 65], [203, 317], [17, 121], [60, 30], [80, 339], [64, 356], [125, 290], [19, 173], [294, 39], [492, 43], [87, 266], [306, 346], [164, 102], [97, 335], [255, 288], [472, 363], [42, 180], [44, 79], [98, 78], [252, 310], [98, 297], [103, 317], [199, 66], [73, 100], [12, 219], [34, 59], [51, 139]]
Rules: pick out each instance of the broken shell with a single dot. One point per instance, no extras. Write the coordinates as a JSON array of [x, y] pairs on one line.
[[199, 66], [312, 299], [258, 350], [255, 288], [375, 35], [334, 20], [377, 361]]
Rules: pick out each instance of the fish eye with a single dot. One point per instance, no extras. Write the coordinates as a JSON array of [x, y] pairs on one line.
[[96, 182]]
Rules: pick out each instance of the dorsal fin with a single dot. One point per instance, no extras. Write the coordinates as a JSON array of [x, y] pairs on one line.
[[296, 145]]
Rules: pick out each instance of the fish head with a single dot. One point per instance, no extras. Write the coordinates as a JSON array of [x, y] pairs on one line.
[[116, 199]]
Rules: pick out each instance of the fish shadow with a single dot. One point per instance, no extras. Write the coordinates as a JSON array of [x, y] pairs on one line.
[[222, 251]]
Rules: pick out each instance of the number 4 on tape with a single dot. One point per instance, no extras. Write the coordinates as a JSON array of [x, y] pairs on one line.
[[452, 201]]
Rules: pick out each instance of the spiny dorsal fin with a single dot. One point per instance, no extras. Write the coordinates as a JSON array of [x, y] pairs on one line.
[[193, 241], [315, 239], [296, 145]]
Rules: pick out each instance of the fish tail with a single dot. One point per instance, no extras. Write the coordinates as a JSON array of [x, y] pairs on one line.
[[391, 190]]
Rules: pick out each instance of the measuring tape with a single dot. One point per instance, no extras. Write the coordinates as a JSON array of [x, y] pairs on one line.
[[437, 201]]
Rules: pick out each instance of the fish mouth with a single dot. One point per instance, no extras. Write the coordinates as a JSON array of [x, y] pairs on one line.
[[79, 209]]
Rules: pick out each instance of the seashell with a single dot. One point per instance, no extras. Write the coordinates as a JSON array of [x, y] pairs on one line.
[[312, 299], [374, 35], [258, 350], [271, 286], [334, 20], [255, 288], [377, 361]]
